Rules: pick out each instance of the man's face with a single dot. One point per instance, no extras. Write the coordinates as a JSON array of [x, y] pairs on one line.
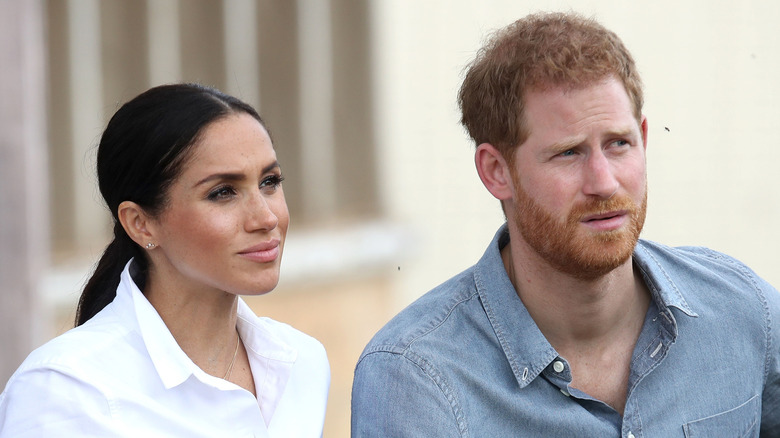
[[579, 180]]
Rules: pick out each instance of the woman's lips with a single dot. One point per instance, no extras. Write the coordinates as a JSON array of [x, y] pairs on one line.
[[263, 253]]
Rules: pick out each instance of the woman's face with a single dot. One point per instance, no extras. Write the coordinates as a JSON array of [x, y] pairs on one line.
[[226, 219]]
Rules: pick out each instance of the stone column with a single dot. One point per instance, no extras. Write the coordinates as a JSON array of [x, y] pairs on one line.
[[24, 228]]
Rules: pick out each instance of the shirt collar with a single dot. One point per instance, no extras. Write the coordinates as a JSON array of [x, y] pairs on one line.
[[271, 357], [170, 361], [261, 339], [524, 345], [647, 257]]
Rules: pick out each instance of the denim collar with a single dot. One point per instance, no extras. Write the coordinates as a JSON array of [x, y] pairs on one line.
[[664, 289], [524, 345]]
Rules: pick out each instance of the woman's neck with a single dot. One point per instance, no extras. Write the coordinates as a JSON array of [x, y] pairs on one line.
[[202, 321]]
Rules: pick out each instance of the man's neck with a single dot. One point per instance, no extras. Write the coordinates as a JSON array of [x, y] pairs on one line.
[[593, 324], [570, 310]]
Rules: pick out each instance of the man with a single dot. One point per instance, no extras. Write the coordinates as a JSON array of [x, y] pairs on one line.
[[570, 325]]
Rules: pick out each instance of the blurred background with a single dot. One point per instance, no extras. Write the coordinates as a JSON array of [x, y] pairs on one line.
[[360, 98]]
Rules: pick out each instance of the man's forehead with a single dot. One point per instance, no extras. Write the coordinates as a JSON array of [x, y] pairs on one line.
[[569, 86], [567, 112]]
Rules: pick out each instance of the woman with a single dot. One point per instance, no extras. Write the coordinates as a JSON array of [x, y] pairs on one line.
[[163, 345]]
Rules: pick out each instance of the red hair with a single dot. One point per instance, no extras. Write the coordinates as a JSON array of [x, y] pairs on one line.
[[538, 52]]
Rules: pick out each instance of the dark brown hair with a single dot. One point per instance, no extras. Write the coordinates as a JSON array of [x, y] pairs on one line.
[[141, 153]]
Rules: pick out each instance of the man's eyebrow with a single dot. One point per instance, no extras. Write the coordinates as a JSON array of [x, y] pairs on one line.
[[565, 145], [625, 132], [234, 176], [571, 143]]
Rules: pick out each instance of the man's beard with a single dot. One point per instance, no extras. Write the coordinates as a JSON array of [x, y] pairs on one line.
[[570, 248]]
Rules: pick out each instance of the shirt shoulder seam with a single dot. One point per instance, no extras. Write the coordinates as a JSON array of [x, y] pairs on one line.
[[405, 339], [64, 369], [432, 373], [750, 278]]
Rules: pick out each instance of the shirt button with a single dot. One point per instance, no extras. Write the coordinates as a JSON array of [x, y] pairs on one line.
[[630, 435], [558, 366]]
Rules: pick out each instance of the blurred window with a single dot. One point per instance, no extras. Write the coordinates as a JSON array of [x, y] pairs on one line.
[[304, 64]]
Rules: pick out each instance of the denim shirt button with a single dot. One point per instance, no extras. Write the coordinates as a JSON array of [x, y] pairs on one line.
[[630, 435], [558, 366]]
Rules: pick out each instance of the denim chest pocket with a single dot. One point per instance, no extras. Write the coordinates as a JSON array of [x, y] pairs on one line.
[[740, 422]]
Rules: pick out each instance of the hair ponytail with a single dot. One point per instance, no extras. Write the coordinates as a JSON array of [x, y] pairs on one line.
[[141, 153], [100, 290]]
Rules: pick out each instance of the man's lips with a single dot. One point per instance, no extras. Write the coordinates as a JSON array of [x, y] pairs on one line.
[[606, 221], [604, 216], [263, 252]]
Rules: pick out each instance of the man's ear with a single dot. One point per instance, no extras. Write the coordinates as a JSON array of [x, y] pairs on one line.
[[493, 170], [136, 223], [643, 128]]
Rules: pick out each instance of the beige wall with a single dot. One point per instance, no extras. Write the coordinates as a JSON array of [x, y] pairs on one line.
[[710, 72]]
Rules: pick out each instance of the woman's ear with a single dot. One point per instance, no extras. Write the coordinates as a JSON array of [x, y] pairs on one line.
[[136, 223], [494, 172]]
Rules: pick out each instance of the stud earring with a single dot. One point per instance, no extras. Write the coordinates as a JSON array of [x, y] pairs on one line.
[[150, 245]]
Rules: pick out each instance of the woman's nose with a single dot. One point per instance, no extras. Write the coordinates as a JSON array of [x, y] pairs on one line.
[[260, 215]]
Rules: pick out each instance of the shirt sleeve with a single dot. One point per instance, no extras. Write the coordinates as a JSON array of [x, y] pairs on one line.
[[53, 403], [395, 395], [770, 403]]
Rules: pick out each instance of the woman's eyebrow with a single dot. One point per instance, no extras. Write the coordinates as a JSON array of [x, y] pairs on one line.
[[228, 176], [234, 176]]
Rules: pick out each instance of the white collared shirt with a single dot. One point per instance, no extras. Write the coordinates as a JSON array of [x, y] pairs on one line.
[[122, 374]]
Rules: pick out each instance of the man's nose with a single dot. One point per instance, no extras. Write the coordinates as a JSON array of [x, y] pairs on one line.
[[599, 178]]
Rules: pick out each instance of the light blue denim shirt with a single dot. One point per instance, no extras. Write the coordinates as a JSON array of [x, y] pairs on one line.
[[467, 360]]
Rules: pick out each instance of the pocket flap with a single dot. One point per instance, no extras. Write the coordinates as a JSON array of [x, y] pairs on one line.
[[739, 422]]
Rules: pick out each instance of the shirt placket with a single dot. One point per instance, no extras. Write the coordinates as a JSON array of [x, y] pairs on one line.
[[658, 334]]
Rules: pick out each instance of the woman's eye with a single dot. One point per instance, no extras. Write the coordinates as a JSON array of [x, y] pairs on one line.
[[221, 193], [271, 182]]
